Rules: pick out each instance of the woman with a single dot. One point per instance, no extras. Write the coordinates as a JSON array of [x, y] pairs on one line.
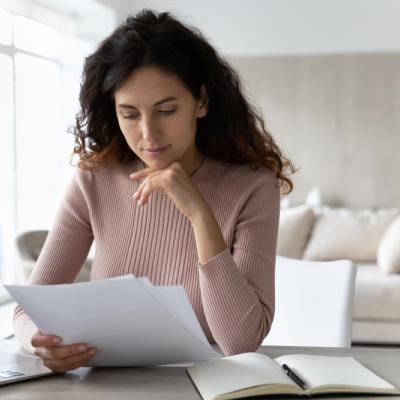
[[178, 181]]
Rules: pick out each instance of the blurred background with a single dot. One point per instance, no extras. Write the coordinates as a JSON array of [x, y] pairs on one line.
[[324, 73]]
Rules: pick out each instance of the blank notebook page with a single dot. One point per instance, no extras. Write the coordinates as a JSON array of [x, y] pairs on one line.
[[332, 371]]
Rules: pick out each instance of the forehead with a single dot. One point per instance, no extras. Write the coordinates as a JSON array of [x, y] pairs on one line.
[[149, 84]]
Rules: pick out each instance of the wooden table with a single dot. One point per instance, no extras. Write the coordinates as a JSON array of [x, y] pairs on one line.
[[163, 383]]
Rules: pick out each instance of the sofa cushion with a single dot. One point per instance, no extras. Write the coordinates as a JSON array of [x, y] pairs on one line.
[[379, 332], [377, 295], [345, 233], [294, 230], [389, 249]]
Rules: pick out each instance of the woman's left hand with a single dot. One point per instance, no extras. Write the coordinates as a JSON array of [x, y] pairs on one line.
[[174, 181]]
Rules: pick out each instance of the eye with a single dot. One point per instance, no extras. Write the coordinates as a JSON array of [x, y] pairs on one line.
[[134, 116], [167, 111], [131, 116]]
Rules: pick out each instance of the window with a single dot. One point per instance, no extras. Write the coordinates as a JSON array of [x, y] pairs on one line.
[[37, 120], [40, 69], [5, 27], [35, 37], [7, 197]]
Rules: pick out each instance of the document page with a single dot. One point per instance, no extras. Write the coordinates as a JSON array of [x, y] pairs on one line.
[[120, 317], [174, 296]]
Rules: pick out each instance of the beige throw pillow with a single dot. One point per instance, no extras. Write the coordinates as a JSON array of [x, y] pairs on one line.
[[347, 233], [294, 230], [389, 249]]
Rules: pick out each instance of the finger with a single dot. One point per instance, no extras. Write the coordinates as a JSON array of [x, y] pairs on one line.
[[143, 183], [146, 191], [140, 174], [40, 339], [70, 363], [136, 195], [147, 187], [60, 352]]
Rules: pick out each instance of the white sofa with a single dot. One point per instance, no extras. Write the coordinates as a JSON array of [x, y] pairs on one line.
[[371, 239]]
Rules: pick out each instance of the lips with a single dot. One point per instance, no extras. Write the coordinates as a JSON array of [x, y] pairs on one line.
[[156, 149]]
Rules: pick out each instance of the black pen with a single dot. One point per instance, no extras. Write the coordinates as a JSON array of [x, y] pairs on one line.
[[291, 374]]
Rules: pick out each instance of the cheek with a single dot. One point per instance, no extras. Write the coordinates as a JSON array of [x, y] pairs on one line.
[[129, 132], [183, 126]]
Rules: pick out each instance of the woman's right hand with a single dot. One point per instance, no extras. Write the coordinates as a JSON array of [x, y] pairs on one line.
[[60, 358]]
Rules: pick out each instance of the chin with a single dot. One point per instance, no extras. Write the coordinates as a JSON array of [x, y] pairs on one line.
[[157, 164]]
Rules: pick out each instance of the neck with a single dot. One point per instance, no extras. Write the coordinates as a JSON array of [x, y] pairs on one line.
[[194, 164]]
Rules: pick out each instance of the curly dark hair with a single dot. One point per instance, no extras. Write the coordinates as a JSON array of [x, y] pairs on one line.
[[232, 129]]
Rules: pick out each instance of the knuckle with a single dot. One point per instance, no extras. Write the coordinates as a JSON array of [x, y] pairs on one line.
[[77, 351], [170, 176], [149, 185]]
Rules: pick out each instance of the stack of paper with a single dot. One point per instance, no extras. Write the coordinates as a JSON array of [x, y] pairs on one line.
[[130, 321]]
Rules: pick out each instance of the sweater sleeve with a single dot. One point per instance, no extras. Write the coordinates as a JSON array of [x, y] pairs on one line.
[[65, 250], [238, 285]]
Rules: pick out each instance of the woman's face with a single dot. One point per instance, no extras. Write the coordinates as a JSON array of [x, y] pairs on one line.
[[157, 115]]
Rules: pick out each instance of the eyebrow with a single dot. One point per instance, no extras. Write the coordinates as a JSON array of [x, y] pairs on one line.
[[165, 100]]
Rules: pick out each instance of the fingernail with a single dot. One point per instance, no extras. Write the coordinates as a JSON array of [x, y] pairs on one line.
[[92, 352], [56, 340], [82, 348]]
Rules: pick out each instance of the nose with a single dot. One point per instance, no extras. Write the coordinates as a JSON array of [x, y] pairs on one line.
[[149, 129]]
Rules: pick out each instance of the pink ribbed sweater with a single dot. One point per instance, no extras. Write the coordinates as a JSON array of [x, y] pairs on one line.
[[232, 294]]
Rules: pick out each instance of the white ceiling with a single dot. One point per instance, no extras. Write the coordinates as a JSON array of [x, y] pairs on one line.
[[264, 27]]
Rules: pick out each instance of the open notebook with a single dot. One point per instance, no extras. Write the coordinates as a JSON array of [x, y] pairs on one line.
[[253, 374]]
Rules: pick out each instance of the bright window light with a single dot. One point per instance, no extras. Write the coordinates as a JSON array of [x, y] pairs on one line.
[[73, 51], [6, 163], [37, 134], [5, 27], [35, 37], [40, 70]]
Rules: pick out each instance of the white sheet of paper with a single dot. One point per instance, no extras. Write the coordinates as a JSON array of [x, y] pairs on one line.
[[126, 323], [175, 300]]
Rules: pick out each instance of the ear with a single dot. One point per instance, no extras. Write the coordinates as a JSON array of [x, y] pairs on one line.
[[202, 108]]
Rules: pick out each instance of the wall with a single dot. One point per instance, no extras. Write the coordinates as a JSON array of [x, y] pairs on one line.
[[272, 27], [326, 76], [338, 118]]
